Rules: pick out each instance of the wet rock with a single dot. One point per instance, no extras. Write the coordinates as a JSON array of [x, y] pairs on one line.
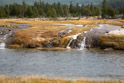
[[62, 33]]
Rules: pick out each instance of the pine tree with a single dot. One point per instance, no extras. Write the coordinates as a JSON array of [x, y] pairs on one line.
[[7, 11], [78, 9], [47, 8], [42, 13], [92, 9], [82, 10], [29, 12], [15, 10], [36, 4], [104, 9], [2, 12], [98, 11], [111, 12], [121, 10], [52, 13], [42, 9], [71, 8], [60, 10], [66, 10], [24, 8], [87, 12], [36, 13]]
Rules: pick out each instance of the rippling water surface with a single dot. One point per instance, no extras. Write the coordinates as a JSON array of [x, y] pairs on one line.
[[62, 64]]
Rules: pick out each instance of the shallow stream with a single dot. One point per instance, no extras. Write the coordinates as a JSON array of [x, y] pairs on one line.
[[62, 64]]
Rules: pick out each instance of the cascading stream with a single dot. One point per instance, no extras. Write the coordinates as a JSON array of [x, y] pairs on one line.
[[83, 44], [68, 46], [74, 37], [3, 44]]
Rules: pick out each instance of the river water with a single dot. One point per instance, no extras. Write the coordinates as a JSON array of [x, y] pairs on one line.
[[62, 64]]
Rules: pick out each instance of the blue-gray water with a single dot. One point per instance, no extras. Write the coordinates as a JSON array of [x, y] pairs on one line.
[[62, 64]]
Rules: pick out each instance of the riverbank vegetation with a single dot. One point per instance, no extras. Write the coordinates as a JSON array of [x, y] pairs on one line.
[[41, 33], [46, 34], [45, 80], [111, 41]]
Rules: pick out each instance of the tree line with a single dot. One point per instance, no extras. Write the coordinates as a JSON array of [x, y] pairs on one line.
[[41, 9]]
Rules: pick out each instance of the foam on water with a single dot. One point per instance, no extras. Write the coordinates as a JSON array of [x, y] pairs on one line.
[[83, 44], [2, 45]]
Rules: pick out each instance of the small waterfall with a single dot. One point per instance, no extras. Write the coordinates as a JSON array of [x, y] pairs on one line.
[[74, 37], [83, 44], [68, 46], [3, 44]]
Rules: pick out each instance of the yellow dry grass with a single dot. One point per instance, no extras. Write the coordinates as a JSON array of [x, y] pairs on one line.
[[9, 25], [45, 29], [49, 29], [115, 23], [34, 79], [120, 20], [30, 21], [111, 41]]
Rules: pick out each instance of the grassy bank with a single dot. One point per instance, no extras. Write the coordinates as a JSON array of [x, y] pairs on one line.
[[41, 32], [45, 80], [112, 41]]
